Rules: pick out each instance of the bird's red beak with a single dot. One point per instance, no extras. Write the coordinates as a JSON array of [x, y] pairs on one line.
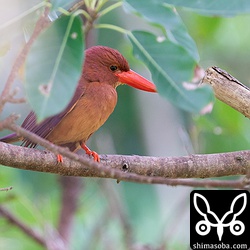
[[135, 80]]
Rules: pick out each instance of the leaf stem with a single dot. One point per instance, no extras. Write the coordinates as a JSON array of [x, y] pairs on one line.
[[65, 38], [82, 12], [100, 4], [58, 59], [63, 11], [110, 8], [113, 27], [75, 13], [90, 4]]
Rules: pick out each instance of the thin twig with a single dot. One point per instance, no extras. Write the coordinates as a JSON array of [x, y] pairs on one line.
[[41, 24], [24, 228], [6, 188], [51, 242]]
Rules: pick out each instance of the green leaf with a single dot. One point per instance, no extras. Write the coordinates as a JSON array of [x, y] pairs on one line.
[[54, 66], [168, 19], [213, 7], [170, 66]]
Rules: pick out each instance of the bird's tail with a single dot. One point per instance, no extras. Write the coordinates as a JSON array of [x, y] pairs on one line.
[[10, 138]]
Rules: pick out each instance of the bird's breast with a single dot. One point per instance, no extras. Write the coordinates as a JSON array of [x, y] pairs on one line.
[[89, 114]]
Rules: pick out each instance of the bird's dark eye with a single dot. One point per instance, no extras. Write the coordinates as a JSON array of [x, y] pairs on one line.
[[113, 68]]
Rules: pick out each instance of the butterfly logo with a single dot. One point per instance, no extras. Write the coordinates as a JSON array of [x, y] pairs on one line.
[[203, 227]]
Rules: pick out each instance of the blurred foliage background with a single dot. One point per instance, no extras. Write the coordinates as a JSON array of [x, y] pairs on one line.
[[110, 214]]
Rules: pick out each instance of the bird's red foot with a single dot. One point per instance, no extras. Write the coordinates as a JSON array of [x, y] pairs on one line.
[[91, 153], [59, 158]]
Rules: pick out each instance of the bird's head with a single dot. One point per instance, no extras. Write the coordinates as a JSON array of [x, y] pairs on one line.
[[103, 64]]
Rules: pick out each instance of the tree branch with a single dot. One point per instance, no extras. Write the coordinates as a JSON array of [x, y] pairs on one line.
[[24, 228], [141, 169], [51, 242], [228, 89]]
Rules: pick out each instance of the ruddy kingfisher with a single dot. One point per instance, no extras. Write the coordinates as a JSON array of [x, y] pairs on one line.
[[94, 100]]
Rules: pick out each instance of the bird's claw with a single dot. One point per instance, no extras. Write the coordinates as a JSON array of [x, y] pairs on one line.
[[91, 153], [95, 156], [59, 158]]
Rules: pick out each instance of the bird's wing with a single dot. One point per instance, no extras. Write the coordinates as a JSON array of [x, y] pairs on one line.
[[44, 128]]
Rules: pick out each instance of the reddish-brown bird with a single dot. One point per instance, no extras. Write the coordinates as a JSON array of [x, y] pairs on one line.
[[94, 100]]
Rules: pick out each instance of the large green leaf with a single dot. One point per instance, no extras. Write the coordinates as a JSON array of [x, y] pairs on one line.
[[170, 66], [213, 7], [54, 66], [167, 18]]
